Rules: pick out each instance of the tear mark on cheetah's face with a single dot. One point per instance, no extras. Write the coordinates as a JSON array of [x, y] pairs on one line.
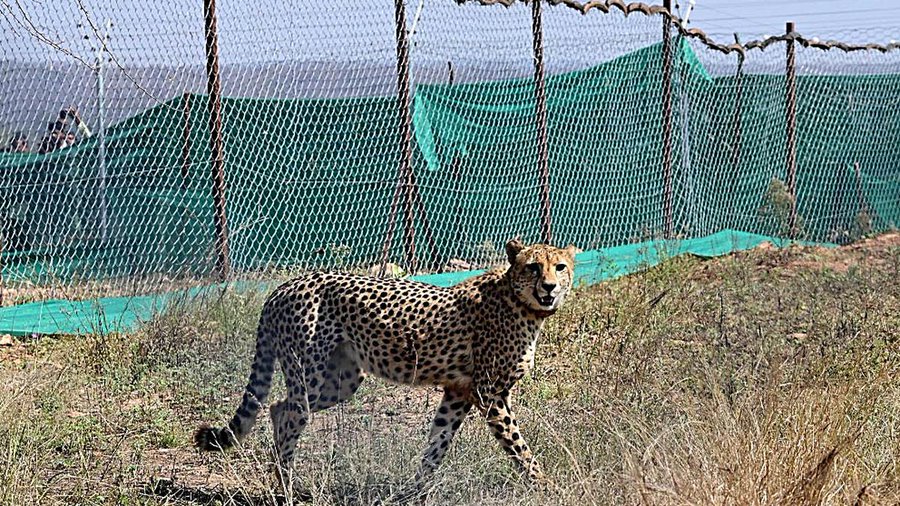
[[541, 275]]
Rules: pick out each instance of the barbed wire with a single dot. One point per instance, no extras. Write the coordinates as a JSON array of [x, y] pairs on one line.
[[26, 24], [104, 49], [33, 31], [696, 33]]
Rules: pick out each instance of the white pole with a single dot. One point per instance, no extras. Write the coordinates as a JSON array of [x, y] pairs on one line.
[[415, 23], [687, 13], [101, 130]]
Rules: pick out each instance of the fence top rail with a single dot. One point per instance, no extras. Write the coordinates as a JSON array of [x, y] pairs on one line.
[[695, 33]]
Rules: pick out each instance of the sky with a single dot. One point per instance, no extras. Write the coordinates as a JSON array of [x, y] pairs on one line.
[[265, 30], [862, 20], [324, 48]]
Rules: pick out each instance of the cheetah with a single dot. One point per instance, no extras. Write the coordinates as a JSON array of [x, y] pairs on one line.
[[476, 340]]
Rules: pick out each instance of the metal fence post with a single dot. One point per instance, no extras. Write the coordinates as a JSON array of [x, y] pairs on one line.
[[101, 135], [540, 99], [668, 222], [405, 134], [791, 122], [215, 141]]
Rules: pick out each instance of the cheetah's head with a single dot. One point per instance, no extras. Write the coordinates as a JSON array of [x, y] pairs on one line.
[[541, 275]]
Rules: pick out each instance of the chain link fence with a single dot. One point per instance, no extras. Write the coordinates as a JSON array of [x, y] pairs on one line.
[[417, 136]]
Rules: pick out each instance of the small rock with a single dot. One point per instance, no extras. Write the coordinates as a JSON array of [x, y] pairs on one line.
[[6, 340], [391, 270], [456, 264]]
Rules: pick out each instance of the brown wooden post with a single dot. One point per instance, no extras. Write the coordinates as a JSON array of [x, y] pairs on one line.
[[540, 102], [838, 203], [668, 221], [738, 106], [217, 155], [454, 169], [405, 134], [423, 217], [185, 160], [738, 131], [1, 270], [791, 122], [461, 195], [861, 203]]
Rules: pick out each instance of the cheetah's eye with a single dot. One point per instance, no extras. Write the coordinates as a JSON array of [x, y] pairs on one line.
[[533, 268], [560, 267]]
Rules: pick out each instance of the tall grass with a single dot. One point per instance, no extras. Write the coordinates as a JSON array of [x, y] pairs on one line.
[[766, 378]]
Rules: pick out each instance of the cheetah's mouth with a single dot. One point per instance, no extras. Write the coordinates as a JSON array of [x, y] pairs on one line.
[[545, 301]]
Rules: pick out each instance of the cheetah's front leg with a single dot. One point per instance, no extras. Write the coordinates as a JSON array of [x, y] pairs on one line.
[[502, 422]]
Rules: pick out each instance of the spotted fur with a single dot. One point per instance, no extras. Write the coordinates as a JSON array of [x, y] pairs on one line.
[[476, 340]]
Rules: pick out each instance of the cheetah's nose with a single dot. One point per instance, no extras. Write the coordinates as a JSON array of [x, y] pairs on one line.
[[548, 287]]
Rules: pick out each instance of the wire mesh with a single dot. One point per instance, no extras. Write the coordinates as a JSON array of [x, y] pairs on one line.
[[111, 191]]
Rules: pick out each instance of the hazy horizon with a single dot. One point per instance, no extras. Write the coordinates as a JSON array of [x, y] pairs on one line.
[[320, 50]]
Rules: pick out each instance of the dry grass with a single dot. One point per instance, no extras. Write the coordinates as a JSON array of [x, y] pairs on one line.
[[768, 377]]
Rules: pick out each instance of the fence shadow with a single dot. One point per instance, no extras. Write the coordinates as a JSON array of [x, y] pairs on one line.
[[343, 494], [168, 489]]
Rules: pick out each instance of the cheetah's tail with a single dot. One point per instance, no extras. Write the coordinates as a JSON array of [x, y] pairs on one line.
[[208, 438]]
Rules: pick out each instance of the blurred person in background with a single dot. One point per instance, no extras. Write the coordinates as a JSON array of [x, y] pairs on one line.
[[18, 143], [59, 135], [53, 138], [80, 125]]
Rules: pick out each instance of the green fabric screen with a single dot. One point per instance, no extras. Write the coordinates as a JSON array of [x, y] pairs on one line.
[[325, 197]]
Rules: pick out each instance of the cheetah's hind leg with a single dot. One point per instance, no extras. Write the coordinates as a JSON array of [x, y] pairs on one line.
[[319, 386]]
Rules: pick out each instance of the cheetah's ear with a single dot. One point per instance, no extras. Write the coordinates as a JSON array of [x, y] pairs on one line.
[[573, 250], [513, 247]]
